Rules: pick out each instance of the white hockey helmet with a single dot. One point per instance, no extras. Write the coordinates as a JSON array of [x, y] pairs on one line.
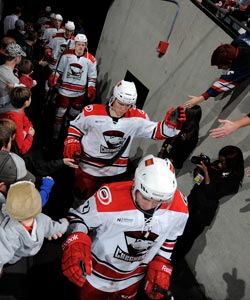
[[70, 26], [155, 179], [80, 37], [125, 92], [52, 15], [48, 9], [58, 17]]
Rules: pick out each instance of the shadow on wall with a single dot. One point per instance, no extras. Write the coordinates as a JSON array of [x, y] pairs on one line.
[[235, 286]]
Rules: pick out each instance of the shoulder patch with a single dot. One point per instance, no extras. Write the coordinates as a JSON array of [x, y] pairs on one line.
[[104, 196]]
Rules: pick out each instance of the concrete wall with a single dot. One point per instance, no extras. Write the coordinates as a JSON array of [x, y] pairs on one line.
[[132, 31]]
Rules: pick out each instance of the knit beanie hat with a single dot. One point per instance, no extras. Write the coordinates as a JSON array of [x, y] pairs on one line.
[[23, 201]]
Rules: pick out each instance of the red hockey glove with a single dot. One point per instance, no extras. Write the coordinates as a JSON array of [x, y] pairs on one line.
[[91, 93], [52, 80], [175, 117], [158, 275], [72, 148], [76, 257]]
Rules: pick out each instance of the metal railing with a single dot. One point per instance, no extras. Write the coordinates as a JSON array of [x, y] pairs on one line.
[[222, 18]]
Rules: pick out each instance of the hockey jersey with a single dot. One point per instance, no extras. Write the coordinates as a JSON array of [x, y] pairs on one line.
[[59, 44], [50, 32], [123, 240], [76, 73], [103, 138]]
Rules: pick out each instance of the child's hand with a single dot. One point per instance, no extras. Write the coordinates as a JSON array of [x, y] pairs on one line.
[[55, 236], [31, 131]]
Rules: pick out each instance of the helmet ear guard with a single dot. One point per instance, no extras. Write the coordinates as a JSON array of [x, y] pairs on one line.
[[155, 179]]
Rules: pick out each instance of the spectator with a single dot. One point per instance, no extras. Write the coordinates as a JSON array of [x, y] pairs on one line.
[[38, 167], [131, 241], [12, 169], [10, 20], [4, 42], [103, 151], [238, 10], [229, 127], [179, 147], [18, 33], [5, 137], [212, 182], [13, 54], [20, 99], [24, 227], [78, 73], [226, 56], [26, 68]]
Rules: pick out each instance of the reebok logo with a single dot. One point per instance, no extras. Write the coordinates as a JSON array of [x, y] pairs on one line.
[[69, 240]]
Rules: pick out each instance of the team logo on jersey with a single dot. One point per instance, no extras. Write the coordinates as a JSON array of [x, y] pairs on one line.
[[138, 244], [88, 108], [62, 47], [104, 195], [114, 140], [75, 71]]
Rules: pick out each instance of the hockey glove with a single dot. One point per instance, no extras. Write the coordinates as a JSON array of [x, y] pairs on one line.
[[158, 277], [52, 80], [72, 148], [91, 93], [76, 257], [175, 117]]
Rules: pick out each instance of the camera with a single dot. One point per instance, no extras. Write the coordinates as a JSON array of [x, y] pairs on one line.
[[200, 158]]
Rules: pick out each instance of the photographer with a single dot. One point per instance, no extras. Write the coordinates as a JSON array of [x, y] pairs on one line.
[[212, 182]]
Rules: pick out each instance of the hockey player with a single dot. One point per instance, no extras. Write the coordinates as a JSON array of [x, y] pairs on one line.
[[126, 232], [78, 73], [53, 29], [102, 136], [57, 46]]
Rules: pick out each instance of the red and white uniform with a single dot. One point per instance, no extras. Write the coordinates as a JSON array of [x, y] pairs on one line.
[[124, 242], [102, 136], [76, 73], [58, 45], [50, 32]]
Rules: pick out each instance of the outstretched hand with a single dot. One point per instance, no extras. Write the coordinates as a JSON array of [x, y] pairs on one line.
[[226, 129], [194, 100]]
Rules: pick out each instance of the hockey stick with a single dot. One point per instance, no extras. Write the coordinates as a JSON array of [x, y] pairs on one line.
[[167, 294], [107, 162]]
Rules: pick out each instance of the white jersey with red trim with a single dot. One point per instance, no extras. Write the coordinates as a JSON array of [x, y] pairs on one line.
[[50, 32], [76, 73], [103, 137], [58, 45], [123, 240]]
